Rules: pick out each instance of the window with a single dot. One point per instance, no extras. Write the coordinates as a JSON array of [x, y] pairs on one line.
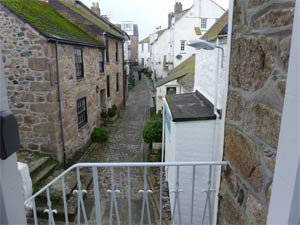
[[108, 86], [81, 112], [142, 47], [117, 51], [117, 82], [79, 62], [143, 61], [107, 51], [171, 90], [182, 45], [203, 23], [101, 61]]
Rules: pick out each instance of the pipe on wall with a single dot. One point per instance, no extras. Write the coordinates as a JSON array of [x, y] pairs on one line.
[[59, 106]]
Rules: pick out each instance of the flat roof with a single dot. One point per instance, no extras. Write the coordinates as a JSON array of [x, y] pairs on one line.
[[190, 107]]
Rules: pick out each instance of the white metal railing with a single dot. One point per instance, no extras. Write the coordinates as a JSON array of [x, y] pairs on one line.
[[181, 170]]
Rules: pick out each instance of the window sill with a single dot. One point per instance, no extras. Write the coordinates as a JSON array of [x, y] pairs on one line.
[[79, 79], [83, 126]]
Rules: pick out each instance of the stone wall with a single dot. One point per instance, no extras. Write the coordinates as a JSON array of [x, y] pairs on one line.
[[29, 77], [134, 48], [111, 69], [258, 68]]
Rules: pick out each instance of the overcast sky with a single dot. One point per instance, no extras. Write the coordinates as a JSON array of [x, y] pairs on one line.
[[148, 14]]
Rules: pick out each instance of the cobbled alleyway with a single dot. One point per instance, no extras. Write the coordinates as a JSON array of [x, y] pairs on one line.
[[124, 145]]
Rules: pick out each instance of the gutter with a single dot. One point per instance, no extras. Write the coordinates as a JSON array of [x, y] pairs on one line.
[[59, 106], [124, 76]]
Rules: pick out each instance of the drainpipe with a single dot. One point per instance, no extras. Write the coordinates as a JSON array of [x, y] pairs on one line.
[[59, 107], [124, 76]]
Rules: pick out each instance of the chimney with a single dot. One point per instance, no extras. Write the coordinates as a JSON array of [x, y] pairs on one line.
[[177, 7], [170, 17], [96, 9], [105, 17]]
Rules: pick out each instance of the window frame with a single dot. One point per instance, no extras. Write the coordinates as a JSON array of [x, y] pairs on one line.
[[79, 65], [108, 86], [107, 51], [101, 62], [182, 45], [80, 112], [171, 87], [117, 82], [203, 24], [117, 51]]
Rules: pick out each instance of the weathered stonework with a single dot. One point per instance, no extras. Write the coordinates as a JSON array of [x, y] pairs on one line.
[[260, 53], [30, 69], [259, 62]]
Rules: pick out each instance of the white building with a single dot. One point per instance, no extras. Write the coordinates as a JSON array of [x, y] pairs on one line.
[[195, 121], [144, 53], [168, 46]]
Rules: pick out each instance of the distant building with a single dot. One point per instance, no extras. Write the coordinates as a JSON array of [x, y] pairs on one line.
[[133, 31], [168, 46], [144, 53]]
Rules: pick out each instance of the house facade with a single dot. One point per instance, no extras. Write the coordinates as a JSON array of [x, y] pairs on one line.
[[144, 53], [168, 46], [61, 83]]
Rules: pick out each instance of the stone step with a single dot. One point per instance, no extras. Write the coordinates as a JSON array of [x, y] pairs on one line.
[[43, 173], [57, 197], [37, 164]]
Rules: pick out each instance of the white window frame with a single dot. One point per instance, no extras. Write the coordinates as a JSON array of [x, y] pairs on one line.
[[204, 23], [182, 45]]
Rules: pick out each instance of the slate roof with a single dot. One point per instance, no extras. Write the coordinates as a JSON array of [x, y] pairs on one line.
[[184, 73], [85, 18], [220, 27], [190, 107], [48, 22], [145, 40]]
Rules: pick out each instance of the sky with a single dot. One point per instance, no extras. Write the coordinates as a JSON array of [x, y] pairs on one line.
[[148, 14]]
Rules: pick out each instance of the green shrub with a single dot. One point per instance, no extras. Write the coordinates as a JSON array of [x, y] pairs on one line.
[[104, 115], [112, 111], [100, 134], [152, 131]]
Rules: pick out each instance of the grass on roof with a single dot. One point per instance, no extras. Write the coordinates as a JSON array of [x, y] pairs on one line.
[[92, 18], [45, 19]]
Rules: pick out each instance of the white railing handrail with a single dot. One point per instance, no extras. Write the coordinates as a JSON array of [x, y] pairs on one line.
[[125, 164]]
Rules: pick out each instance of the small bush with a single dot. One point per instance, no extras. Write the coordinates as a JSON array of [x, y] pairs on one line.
[[100, 134], [104, 115], [152, 131], [112, 111], [115, 108]]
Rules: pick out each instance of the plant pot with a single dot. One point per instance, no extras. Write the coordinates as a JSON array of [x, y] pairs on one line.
[[112, 119], [156, 145]]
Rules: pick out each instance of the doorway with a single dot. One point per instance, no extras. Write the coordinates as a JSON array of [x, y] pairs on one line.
[[103, 100]]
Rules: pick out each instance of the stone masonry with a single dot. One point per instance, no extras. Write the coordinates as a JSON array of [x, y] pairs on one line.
[[30, 71], [258, 69]]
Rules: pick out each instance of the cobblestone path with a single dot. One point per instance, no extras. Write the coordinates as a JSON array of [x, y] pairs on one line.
[[124, 145]]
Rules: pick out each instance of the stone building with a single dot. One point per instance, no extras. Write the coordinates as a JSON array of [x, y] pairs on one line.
[[56, 77], [133, 31], [260, 47]]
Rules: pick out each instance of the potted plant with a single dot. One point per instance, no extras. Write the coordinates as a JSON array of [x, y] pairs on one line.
[[152, 132], [100, 134], [112, 113]]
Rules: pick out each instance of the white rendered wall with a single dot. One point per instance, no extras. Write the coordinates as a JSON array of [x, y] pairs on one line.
[[208, 66], [144, 54], [188, 142]]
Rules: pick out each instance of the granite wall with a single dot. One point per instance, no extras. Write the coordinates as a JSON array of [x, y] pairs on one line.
[[258, 68]]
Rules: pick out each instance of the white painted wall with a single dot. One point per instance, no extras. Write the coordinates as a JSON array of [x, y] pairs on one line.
[[144, 53], [184, 28], [208, 66], [285, 199], [161, 92], [188, 142]]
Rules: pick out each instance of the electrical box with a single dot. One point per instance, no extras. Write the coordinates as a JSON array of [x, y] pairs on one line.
[[9, 135]]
